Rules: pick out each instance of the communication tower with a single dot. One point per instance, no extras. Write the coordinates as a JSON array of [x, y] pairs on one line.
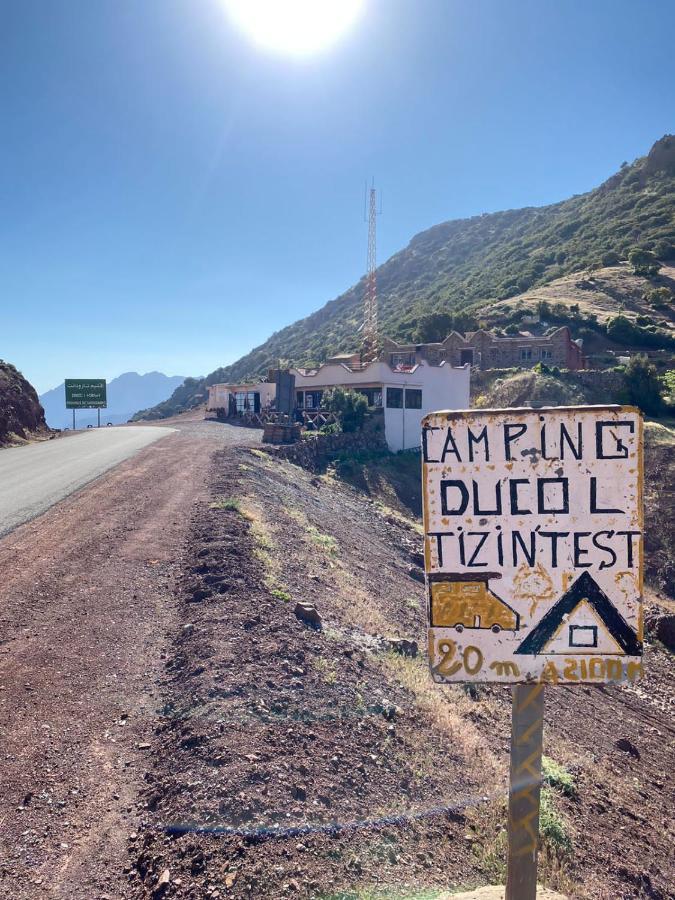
[[370, 332]]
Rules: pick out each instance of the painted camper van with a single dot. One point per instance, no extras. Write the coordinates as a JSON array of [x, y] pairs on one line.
[[470, 604]]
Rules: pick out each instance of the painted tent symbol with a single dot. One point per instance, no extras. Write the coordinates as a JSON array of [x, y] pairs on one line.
[[557, 628]]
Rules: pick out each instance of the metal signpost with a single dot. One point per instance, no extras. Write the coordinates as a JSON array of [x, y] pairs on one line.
[[86, 393], [533, 528]]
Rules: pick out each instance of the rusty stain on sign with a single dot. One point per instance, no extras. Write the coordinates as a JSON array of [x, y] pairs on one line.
[[533, 527]]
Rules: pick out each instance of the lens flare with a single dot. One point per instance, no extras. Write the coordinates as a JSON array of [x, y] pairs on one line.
[[294, 27]]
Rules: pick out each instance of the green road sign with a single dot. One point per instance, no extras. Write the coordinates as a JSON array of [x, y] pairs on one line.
[[86, 393]]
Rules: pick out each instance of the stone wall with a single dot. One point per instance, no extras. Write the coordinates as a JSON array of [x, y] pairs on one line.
[[315, 452]]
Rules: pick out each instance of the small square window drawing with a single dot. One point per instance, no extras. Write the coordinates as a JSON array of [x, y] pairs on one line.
[[583, 635]]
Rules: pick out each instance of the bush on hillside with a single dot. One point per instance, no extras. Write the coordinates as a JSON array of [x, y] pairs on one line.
[[659, 298], [349, 407], [643, 386], [644, 262], [622, 330], [668, 379], [435, 327], [611, 258], [664, 249]]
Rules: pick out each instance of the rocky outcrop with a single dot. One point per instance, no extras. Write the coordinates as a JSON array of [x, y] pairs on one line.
[[21, 415]]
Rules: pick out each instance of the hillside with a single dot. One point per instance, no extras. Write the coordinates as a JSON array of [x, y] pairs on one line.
[[21, 416], [189, 393], [126, 394], [464, 265]]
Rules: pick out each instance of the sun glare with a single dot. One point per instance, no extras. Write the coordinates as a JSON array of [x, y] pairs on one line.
[[294, 27]]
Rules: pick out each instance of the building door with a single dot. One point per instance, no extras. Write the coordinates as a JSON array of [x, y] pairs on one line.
[[466, 356]]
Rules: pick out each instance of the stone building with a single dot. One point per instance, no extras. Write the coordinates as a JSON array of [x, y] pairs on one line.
[[488, 351]]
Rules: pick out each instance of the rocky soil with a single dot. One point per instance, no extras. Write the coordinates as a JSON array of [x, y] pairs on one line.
[[292, 760], [209, 689]]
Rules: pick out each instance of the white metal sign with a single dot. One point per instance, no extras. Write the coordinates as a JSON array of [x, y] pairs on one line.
[[533, 544]]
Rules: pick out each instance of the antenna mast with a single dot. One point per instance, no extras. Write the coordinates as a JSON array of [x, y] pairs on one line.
[[370, 332]]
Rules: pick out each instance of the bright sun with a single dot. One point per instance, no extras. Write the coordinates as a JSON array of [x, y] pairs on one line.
[[295, 27]]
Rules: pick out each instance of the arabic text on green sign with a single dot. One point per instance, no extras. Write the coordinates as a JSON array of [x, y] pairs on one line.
[[86, 393]]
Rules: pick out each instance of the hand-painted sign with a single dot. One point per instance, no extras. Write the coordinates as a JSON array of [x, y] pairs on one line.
[[533, 544], [85, 393]]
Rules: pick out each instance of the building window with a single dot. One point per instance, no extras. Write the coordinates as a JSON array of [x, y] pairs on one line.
[[313, 399], [526, 352], [413, 398], [402, 359], [583, 635], [394, 398], [247, 401], [372, 395], [547, 354]]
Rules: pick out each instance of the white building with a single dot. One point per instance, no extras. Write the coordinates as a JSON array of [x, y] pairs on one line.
[[235, 399], [405, 393]]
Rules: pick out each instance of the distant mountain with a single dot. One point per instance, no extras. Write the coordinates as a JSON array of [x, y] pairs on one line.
[[21, 416], [126, 394], [464, 266]]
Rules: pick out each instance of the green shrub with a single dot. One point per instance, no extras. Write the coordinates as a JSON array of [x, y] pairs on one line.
[[611, 258], [557, 776], [436, 326], [623, 331], [668, 379], [643, 386], [552, 827], [349, 407], [664, 249], [230, 503], [644, 262], [660, 298]]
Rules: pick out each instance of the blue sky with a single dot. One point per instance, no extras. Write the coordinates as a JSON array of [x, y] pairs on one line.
[[171, 194]]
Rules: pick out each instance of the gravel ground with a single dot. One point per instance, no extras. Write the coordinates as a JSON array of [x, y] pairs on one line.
[[86, 604]]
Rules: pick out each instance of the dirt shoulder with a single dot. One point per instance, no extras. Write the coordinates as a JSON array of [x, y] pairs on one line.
[[172, 729], [86, 603], [321, 763]]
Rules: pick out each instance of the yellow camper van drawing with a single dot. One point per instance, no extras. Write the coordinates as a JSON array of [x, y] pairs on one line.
[[464, 604]]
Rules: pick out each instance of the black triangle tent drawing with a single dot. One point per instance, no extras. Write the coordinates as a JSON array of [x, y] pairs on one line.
[[584, 590]]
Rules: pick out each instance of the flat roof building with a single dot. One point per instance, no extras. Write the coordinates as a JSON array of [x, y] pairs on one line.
[[405, 395]]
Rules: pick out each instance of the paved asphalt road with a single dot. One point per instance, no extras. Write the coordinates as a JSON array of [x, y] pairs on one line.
[[36, 476]]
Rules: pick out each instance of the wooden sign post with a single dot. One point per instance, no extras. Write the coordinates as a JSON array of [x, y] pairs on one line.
[[527, 727], [533, 557]]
